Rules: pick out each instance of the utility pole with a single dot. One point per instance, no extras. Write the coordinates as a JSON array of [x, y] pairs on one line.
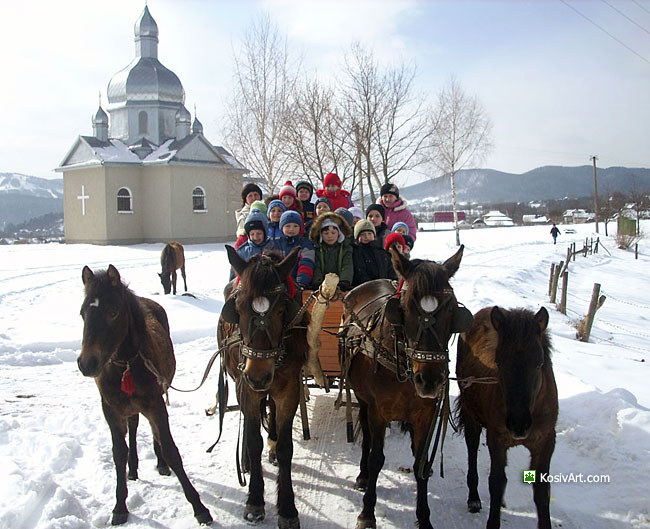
[[593, 159]]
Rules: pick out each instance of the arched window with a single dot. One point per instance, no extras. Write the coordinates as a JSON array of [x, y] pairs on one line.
[[142, 122], [198, 199], [124, 200]]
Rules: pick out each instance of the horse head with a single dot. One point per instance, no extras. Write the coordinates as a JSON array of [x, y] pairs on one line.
[[429, 314], [262, 306], [106, 319], [522, 350], [166, 281]]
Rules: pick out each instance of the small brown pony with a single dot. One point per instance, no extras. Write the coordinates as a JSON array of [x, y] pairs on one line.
[[405, 378], [265, 359], [514, 347], [171, 259], [127, 349]]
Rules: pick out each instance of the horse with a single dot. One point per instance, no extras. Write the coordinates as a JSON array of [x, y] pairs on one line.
[[127, 349], [265, 358], [514, 347], [171, 259], [396, 361]]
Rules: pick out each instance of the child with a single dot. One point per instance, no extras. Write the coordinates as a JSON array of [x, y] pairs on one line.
[[330, 234], [291, 236], [305, 191], [322, 205], [256, 227], [275, 210], [249, 194], [376, 214], [400, 227], [357, 214], [409, 246], [396, 241], [371, 261], [289, 196], [346, 214], [396, 210], [339, 198]]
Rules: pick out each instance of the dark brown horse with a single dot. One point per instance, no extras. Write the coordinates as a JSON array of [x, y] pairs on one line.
[[171, 259], [127, 349], [403, 376], [265, 359], [514, 347]]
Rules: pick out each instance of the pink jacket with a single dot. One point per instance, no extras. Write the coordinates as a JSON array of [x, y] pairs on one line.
[[399, 213]]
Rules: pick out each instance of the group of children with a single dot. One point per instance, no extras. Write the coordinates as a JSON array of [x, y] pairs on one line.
[[333, 234]]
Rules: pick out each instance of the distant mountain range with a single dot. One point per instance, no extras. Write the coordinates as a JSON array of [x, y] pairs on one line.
[[23, 197]]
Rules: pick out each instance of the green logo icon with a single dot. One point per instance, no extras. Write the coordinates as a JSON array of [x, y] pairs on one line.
[[529, 476]]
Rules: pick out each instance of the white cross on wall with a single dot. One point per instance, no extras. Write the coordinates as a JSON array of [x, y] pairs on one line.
[[83, 197]]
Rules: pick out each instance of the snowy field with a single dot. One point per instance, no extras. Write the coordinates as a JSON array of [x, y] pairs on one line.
[[56, 468]]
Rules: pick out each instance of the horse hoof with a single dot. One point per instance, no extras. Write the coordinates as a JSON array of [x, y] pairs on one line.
[[273, 459], [119, 518], [204, 518], [288, 523], [474, 506], [254, 513], [164, 470], [366, 524], [361, 484], [133, 476]]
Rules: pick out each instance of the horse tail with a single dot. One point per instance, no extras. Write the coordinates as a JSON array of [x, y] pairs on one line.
[[459, 416]]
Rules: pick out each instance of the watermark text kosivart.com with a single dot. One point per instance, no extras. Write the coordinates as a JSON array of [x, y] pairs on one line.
[[532, 476]]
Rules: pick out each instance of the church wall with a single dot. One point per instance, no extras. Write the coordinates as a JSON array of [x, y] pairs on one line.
[[124, 227], [156, 189], [91, 227], [119, 124]]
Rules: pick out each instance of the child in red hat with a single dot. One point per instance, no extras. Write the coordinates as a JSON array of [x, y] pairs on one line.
[[289, 197], [339, 198]]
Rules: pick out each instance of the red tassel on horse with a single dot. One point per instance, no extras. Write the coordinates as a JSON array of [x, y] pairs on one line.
[[128, 385]]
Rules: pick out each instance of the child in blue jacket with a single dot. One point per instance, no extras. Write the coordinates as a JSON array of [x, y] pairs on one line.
[[291, 227]]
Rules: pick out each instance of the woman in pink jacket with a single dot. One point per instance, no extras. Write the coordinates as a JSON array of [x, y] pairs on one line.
[[396, 210]]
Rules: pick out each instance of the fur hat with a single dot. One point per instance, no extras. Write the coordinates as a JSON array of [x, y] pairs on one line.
[[326, 224], [346, 214], [401, 225], [392, 238], [331, 179], [389, 189], [291, 217], [376, 207], [256, 221], [307, 185], [316, 226], [259, 206], [249, 188], [363, 225], [356, 212], [288, 189], [276, 204]]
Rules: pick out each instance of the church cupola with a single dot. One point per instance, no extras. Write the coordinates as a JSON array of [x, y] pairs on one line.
[[197, 126], [183, 123], [100, 125], [146, 35]]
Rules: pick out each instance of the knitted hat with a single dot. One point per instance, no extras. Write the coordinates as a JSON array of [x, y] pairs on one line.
[[307, 185], [276, 204], [259, 206], [363, 225], [256, 221], [327, 223], [402, 225], [346, 214], [389, 189], [291, 217], [288, 189], [331, 179], [394, 237], [376, 207], [356, 212], [322, 199], [249, 188], [409, 241]]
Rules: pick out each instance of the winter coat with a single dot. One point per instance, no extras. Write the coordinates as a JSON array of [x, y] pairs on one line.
[[371, 261], [381, 232], [303, 272], [249, 249], [398, 212], [339, 199], [555, 231], [337, 257], [240, 217], [308, 209], [274, 231]]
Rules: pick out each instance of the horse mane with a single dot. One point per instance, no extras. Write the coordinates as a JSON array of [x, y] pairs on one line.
[[424, 277], [260, 275], [519, 320]]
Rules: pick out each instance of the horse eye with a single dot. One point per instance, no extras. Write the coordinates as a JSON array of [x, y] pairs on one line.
[[113, 315]]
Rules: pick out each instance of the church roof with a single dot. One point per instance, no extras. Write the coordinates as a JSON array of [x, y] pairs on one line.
[[145, 79], [146, 26]]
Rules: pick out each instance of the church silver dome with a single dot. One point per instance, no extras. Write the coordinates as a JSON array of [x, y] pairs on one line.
[[146, 26], [145, 79]]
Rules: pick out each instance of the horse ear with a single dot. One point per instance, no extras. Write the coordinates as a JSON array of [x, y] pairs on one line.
[[400, 263], [451, 265], [542, 319], [114, 275], [237, 262], [497, 318], [288, 263], [87, 275]]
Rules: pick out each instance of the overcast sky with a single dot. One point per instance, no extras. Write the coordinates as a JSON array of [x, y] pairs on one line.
[[561, 80]]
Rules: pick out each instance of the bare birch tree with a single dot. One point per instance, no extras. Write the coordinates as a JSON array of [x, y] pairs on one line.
[[259, 111], [460, 137]]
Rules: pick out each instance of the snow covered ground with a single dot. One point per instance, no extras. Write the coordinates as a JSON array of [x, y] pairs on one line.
[[56, 468]]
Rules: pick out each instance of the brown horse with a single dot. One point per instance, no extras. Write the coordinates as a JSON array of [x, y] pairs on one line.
[[403, 375], [514, 347], [127, 349], [171, 259], [265, 359]]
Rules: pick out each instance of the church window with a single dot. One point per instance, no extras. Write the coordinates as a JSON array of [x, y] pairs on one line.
[[124, 200], [142, 122], [198, 199]]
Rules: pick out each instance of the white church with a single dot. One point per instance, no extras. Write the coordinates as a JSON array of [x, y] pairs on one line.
[[148, 174]]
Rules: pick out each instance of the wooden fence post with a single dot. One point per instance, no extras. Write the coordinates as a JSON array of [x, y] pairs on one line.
[[594, 305], [568, 256], [565, 282], [550, 279], [556, 277], [636, 250], [573, 251], [597, 243]]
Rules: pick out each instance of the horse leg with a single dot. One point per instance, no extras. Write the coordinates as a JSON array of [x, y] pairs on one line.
[[541, 461], [497, 480], [272, 439], [253, 444], [133, 446], [472, 439], [286, 404], [184, 278], [161, 464], [362, 479], [118, 427], [377, 428], [419, 430], [159, 420], [174, 281]]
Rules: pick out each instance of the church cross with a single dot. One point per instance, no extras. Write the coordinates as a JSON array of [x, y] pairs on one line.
[[83, 197]]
